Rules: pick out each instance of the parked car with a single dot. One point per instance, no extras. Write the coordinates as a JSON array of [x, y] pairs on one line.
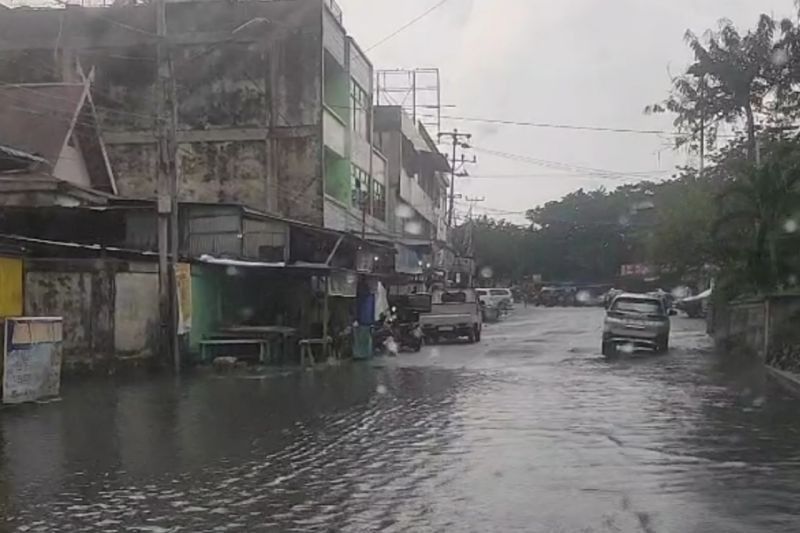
[[483, 296], [636, 321], [502, 299], [490, 313], [454, 313], [695, 306]]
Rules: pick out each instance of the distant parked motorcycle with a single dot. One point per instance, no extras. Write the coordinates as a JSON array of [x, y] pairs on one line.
[[408, 336]]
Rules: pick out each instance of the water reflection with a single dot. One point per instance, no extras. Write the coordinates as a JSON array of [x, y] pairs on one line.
[[532, 430], [232, 453]]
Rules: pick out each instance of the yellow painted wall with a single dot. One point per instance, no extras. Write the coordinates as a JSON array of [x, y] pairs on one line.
[[10, 287]]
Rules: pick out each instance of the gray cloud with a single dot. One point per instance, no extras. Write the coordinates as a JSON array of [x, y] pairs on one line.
[[586, 62]]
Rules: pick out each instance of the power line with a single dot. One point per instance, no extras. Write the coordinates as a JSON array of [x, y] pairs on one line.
[[562, 126], [408, 24], [33, 89], [560, 165], [574, 127], [566, 175], [456, 138]]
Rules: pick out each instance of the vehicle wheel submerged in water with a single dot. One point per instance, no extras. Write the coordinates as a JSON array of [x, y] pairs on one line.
[[662, 346], [636, 320], [609, 349]]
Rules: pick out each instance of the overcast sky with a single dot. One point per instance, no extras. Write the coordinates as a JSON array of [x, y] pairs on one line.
[[579, 62]]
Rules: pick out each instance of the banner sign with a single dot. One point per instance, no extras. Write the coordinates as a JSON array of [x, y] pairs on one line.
[[31, 358], [344, 284], [364, 261], [183, 278]]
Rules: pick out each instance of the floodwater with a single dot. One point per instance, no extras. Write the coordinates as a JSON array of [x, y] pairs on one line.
[[531, 430]]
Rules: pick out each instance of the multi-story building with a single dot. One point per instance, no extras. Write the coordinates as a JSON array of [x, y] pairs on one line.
[[273, 100], [417, 184]]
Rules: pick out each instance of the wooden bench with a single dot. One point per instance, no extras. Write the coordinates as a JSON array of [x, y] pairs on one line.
[[263, 346], [307, 348]]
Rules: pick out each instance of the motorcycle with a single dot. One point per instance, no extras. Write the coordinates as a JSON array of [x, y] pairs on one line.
[[408, 336], [383, 341], [394, 334]]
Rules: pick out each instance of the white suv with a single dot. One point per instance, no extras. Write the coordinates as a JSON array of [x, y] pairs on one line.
[[499, 298]]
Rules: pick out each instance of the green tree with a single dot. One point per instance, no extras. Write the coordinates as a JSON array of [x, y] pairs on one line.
[[681, 238], [729, 81], [756, 229], [501, 248]]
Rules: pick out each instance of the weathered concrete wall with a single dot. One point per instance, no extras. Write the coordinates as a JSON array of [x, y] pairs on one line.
[[391, 146], [783, 332], [765, 327], [82, 293], [135, 166], [234, 93], [109, 307], [300, 184], [136, 323], [231, 172]]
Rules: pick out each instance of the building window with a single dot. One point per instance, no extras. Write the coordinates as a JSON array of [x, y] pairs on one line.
[[359, 110], [378, 200], [360, 188]]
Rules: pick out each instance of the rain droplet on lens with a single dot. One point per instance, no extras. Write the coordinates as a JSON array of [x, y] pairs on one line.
[[583, 297], [780, 57], [790, 226], [759, 401], [680, 292], [232, 271], [381, 389], [627, 348], [487, 272], [404, 211], [413, 227]]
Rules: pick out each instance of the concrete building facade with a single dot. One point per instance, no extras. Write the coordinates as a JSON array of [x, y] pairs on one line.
[[417, 177], [274, 100]]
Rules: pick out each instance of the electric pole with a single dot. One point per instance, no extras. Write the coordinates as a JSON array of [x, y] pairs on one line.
[[702, 125], [470, 234], [167, 188], [458, 140]]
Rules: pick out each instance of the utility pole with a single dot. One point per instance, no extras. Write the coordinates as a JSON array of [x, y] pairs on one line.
[[702, 125], [470, 235], [167, 187], [456, 140]]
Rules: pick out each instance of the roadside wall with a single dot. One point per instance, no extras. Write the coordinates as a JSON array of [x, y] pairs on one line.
[[766, 327], [109, 307]]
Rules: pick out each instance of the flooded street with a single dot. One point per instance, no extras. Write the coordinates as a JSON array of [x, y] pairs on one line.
[[531, 430]]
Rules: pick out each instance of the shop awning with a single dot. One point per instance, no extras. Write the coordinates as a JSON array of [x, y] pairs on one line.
[[221, 261]]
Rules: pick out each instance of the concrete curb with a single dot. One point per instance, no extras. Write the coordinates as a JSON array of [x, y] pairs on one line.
[[789, 380]]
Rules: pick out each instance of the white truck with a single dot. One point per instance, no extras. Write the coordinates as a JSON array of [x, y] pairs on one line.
[[454, 313]]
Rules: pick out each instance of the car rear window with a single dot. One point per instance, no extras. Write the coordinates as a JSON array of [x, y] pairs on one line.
[[642, 307], [499, 292], [454, 298], [482, 293]]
